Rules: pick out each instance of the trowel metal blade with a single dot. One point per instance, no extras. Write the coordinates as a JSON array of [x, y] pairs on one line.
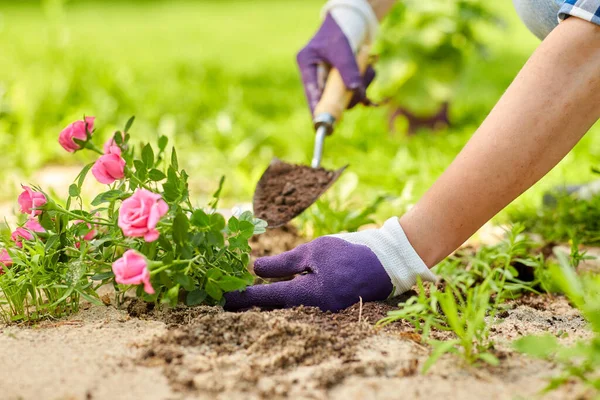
[[285, 190]]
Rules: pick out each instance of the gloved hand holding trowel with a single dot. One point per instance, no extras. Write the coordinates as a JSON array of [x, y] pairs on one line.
[[549, 106]]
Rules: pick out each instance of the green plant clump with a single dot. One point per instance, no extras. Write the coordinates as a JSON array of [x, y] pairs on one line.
[[143, 232], [580, 361], [475, 288]]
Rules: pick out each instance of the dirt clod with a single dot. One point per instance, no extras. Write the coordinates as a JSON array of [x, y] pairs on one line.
[[285, 190]]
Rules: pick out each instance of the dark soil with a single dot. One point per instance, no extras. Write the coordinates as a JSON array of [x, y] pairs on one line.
[[285, 190]]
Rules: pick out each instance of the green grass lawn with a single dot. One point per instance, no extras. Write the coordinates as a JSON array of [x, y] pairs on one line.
[[219, 78]]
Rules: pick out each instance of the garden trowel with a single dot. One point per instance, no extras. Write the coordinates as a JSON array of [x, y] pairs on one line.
[[285, 190]]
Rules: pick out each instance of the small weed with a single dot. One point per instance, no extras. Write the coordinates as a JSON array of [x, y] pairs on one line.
[[475, 287], [569, 217], [580, 361]]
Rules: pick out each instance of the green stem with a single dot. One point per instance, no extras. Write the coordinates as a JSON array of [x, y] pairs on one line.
[[175, 262], [91, 146], [81, 217], [134, 178]]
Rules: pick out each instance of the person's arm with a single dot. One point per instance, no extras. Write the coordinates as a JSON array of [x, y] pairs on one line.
[[549, 106], [381, 7]]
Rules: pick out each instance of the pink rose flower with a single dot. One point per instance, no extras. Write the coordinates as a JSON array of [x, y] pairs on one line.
[[5, 260], [76, 130], [111, 143], [91, 234], [25, 232], [29, 200], [132, 269], [109, 167], [140, 213]]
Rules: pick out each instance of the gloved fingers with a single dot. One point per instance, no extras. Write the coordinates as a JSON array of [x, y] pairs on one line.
[[282, 265], [322, 74], [361, 96], [274, 295], [343, 59], [308, 63]]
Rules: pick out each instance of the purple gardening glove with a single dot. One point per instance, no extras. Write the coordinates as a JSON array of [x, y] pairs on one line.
[[331, 48], [334, 272]]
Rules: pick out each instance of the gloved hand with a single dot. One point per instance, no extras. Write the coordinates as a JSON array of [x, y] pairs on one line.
[[334, 271], [348, 25]]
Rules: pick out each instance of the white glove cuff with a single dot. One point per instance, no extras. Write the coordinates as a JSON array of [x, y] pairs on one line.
[[350, 26], [396, 254]]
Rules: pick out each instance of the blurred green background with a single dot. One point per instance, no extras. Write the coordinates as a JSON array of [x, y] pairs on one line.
[[219, 78]]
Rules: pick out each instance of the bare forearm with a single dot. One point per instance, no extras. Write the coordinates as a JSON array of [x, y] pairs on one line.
[[381, 7], [550, 105]]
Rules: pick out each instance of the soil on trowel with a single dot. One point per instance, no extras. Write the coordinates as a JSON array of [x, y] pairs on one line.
[[285, 190]]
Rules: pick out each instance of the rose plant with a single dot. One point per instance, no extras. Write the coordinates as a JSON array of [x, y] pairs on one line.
[[142, 232]]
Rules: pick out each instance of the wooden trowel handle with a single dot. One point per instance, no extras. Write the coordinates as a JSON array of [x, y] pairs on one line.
[[336, 97]]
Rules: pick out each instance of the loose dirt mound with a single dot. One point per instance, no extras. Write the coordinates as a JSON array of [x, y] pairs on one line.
[[305, 353]]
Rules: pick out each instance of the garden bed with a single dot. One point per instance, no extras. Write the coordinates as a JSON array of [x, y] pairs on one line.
[[206, 353]]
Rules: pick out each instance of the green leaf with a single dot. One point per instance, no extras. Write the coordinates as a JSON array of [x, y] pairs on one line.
[[148, 156], [108, 197], [537, 346], [195, 297], [234, 224], [118, 138], [449, 306], [102, 276], [185, 281], [156, 175], [83, 174], [489, 358], [439, 349], [74, 190], [172, 296], [165, 243], [214, 274], [231, 283], [217, 222], [213, 290], [162, 143], [170, 192], [180, 229], [52, 240], [200, 219], [140, 170], [217, 194], [174, 161], [247, 229], [46, 221], [128, 124]]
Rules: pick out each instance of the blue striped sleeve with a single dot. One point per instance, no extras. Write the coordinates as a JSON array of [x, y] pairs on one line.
[[588, 10]]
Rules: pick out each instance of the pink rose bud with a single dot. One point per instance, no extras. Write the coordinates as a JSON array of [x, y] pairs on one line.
[[140, 213], [5, 260], [92, 232], [111, 143], [109, 167], [132, 269], [28, 200], [76, 130], [19, 234], [25, 232]]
